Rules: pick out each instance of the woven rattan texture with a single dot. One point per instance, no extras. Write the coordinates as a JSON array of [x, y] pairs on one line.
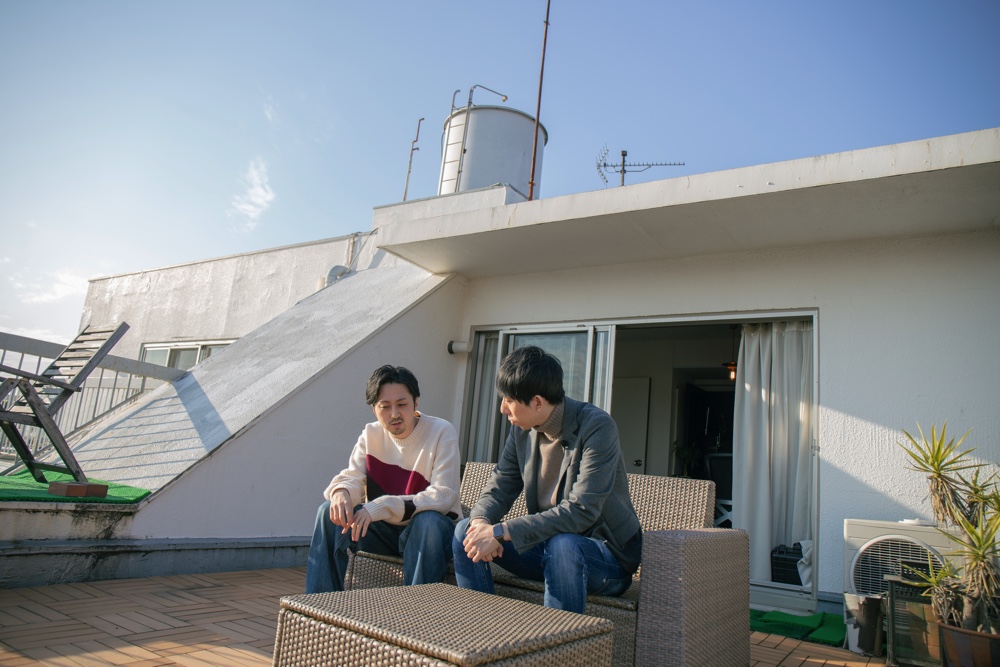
[[306, 642], [474, 478], [624, 620], [367, 570], [662, 504], [459, 626], [669, 503], [373, 571], [702, 594]]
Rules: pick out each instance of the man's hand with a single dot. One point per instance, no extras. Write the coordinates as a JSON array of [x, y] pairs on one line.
[[342, 514], [359, 527], [479, 543], [341, 510]]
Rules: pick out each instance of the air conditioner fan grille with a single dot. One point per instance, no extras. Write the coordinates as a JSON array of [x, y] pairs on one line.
[[884, 556]]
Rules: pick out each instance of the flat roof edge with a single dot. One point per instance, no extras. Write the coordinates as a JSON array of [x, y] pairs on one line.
[[248, 253], [913, 157]]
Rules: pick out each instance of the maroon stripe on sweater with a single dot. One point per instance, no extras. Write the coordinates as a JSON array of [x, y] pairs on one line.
[[386, 479]]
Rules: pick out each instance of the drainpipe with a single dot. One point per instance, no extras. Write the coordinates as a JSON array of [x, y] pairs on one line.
[[350, 248]]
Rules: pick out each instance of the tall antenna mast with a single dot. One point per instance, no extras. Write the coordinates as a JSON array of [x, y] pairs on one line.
[[538, 105], [620, 168]]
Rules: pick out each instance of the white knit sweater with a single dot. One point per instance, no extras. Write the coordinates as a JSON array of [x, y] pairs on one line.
[[398, 478]]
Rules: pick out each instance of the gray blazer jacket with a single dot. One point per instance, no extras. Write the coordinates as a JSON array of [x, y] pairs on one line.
[[593, 498]]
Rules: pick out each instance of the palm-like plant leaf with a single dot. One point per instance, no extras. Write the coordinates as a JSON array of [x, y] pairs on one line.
[[981, 496], [979, 551], [941, 460]]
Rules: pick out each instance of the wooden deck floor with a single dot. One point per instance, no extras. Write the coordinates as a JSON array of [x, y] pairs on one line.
[[224, 620]]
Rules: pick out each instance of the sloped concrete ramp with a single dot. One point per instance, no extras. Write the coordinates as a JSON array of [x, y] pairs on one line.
[[178, 424]]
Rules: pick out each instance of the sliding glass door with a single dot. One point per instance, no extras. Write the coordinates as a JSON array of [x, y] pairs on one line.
[[585, 355]]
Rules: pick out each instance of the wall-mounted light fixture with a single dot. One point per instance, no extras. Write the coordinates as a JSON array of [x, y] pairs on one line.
[[458, 347]]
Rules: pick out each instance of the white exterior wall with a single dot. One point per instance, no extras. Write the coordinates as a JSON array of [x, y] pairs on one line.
[[269, 479], [906, 332], [221, 298]]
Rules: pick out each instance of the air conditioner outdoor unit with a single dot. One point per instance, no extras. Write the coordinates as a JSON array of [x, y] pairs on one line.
[[873, 549]]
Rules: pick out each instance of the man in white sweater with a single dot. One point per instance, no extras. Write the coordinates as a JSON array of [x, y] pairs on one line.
[[398, 495]]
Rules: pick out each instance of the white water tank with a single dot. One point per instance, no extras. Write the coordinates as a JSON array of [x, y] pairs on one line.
[[497, 149]]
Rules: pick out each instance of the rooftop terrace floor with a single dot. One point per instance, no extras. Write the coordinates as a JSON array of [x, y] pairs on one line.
[[224, 619]]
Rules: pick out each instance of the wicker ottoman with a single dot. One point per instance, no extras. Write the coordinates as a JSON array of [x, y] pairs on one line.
[[433, 624]]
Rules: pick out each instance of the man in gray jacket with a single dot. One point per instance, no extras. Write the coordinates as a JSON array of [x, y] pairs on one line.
[[581, 535]]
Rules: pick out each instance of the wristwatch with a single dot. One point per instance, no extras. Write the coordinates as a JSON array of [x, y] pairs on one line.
[[498, 532]]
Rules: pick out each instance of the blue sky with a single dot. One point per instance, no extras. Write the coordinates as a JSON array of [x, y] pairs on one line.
[[140, 134]]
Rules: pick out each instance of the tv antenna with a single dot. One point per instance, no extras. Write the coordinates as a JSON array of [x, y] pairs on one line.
[[623, 166]]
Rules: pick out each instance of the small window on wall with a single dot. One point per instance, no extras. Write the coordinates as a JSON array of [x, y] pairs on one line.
[[157, 355], [181, 356]]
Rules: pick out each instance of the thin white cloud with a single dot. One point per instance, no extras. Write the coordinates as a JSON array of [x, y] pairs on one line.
[[53, 287], [256, 198], [271, 111]]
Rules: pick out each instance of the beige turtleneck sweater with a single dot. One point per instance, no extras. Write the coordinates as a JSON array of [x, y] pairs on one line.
[[551, 456]]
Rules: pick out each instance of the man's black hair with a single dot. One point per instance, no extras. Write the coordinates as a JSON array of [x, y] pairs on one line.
[[390, 375], [528, 372]]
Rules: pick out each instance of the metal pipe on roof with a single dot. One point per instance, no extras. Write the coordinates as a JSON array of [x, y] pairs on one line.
[[413, 147], [538, 105]]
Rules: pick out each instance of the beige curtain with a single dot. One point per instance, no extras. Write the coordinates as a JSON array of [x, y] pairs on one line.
[[772, 437]]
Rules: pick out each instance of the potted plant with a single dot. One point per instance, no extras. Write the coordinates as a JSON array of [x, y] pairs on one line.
[[964, 497]]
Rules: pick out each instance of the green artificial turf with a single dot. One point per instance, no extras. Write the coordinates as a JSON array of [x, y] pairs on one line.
[[831, 632], [758, 624], [21, 486], [811, 622], [821, 628]]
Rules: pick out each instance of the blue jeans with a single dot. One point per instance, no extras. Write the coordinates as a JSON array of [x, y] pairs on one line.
[[423, 544], [571, 566]]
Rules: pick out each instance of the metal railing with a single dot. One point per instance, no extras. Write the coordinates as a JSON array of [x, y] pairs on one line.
[[116, 382]]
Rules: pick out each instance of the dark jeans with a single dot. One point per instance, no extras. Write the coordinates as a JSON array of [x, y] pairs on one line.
[[571, 566], [424, 544]]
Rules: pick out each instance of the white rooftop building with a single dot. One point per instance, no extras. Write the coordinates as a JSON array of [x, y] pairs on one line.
[[857, 294]]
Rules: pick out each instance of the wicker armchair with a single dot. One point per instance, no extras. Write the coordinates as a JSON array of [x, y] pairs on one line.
[[689, 604]]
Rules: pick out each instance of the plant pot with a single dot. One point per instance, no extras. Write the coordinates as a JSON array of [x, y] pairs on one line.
[[968, 648]]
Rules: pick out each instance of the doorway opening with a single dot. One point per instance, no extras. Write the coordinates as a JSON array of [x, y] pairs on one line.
[[668, 386]]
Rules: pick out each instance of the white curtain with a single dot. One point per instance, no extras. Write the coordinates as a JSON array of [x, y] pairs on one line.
[[772, 434]]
